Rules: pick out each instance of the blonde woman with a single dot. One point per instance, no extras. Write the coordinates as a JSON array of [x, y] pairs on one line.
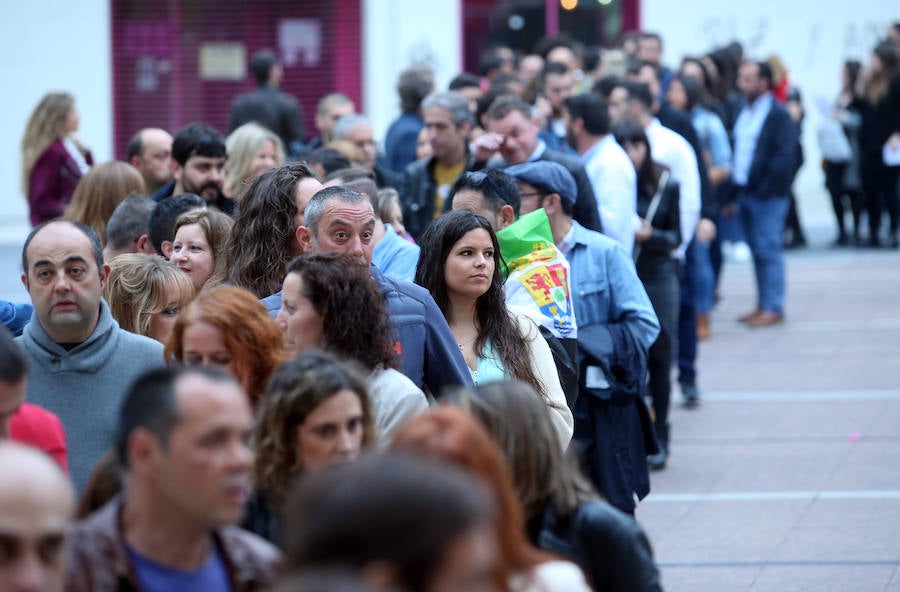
[[103, 188], [53, 160], [200, 248], [251, 150], [145, 294]]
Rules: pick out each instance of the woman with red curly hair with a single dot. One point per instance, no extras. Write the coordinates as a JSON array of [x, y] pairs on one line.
[[453, 436], [229, 328]]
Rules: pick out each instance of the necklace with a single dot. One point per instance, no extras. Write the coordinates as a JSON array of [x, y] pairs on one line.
[[462, 345]]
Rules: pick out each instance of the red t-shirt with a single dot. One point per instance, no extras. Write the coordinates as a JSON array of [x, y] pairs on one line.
[[40, 428]]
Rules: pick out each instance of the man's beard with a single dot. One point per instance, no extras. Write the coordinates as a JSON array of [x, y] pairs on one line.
[[209, 191]]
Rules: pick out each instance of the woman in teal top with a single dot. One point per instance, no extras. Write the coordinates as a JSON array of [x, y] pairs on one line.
[[460, 265]]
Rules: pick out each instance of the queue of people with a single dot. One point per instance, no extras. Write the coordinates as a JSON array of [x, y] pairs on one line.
[[260, 363]]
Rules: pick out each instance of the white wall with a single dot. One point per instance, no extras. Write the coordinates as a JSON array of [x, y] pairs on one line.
[[50, 45], [812, 37], [398, 34]]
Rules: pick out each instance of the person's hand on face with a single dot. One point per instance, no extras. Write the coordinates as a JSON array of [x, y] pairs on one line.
[[486, 145]]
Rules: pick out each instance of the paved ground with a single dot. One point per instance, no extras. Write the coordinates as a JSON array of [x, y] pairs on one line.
[[788, 476]]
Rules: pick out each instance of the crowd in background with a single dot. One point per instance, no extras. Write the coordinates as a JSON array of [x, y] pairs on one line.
[[438, 362]]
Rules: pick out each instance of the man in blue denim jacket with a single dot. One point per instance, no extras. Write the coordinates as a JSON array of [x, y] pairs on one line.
[[616, 326]]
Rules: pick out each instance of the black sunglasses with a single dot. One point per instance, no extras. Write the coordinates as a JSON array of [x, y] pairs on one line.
[[478, 179]]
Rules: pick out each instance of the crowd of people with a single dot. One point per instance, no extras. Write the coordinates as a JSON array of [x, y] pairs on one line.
[[271, 362]]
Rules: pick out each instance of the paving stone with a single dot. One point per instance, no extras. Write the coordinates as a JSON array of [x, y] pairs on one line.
[[750, 500], [814, 578], [695, 579]]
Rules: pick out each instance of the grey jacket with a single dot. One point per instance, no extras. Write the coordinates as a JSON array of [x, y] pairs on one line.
[[85, 385]]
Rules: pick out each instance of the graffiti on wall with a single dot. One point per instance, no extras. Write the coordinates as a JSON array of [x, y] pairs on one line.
[[753, 32]]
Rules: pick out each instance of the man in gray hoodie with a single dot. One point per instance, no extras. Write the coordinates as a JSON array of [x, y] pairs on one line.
[[81, 363]]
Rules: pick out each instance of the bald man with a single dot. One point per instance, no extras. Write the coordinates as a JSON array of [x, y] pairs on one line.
[[150, 152], [36, 505]]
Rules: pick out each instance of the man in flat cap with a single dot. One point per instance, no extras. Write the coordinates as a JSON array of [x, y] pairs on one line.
[[616, 326]]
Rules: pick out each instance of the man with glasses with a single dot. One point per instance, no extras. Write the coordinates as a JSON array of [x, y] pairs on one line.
[[357, 129], [616, 326]]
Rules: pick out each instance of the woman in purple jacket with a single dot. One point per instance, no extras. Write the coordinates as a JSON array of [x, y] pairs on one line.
[[53, 160]]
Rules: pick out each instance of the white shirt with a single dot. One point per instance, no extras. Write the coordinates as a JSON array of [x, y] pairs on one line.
[[614, 181], [394, 399], [76, 155], [672, 150], [746, 131], [551, 576]]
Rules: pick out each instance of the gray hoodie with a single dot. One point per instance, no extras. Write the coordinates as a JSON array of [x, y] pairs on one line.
[[85, 385]]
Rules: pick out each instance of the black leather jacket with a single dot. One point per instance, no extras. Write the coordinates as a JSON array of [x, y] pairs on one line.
[[609, 546], [417, 194], [656, 252]]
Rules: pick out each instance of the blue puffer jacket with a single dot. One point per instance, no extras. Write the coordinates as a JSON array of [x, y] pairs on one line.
[[15, 316]]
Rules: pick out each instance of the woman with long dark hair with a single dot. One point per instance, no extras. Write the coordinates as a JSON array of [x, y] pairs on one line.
[[563, 514], [656, 239], [450, 435], [880, 110], [842, 178], [461, 266], [264, 238]]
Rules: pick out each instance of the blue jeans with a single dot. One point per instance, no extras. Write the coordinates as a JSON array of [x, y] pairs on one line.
[[763, 221], [687, 318], [704, 277]]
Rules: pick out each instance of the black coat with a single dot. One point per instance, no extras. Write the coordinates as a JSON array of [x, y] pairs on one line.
[[276, 111], [773, 166], [613, 431], [609, 546], [666, 236], [417, 194]]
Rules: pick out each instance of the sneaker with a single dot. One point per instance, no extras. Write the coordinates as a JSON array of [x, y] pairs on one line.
[[690, 393], [657, 462]]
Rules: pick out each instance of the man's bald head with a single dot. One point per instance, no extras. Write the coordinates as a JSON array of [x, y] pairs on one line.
[[36, 505]]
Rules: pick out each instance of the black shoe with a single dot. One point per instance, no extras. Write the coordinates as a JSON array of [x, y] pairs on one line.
[[657, 462], [893, 243], [842, 241], [691, 394]]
